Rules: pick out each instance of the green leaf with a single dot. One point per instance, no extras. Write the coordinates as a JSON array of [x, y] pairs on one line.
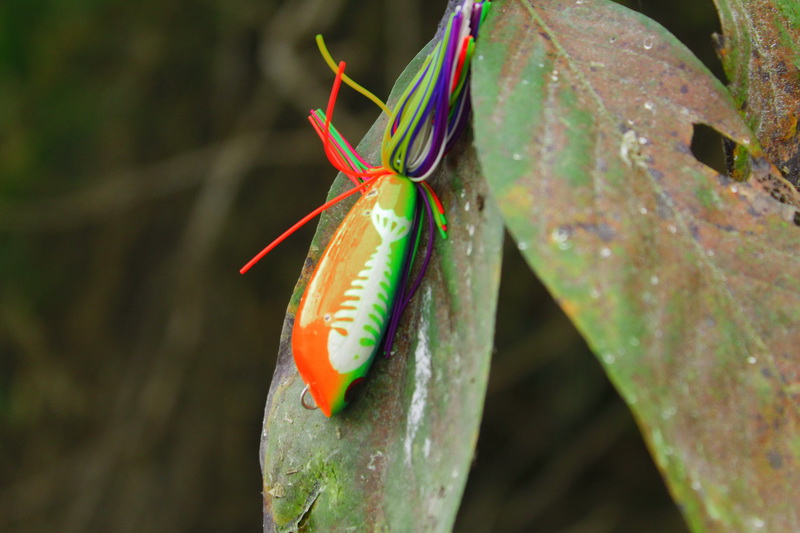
[[685, 283], [760, 50], [398, 457]]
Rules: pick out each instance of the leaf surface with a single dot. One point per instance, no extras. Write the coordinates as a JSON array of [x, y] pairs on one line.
[[760, 50], [684, 282], [398, 457]]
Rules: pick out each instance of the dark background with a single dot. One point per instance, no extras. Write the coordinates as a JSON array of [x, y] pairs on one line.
[[147, 150]]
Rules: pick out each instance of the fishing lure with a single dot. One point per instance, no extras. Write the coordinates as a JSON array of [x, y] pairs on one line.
[[362, 283]]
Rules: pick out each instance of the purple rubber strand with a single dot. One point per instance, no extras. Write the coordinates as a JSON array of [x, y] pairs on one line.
[[399, 112], [431, 104], [403, 104], [475, 22], [403, 299], [440, 108], [461, 119], [397, 310], [428, 252]]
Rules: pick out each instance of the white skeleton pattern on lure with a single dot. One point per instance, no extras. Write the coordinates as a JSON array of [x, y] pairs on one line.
[[358, 324]]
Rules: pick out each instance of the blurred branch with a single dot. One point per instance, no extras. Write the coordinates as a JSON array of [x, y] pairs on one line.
[[281, 61], [551, 338], [587, 446], [123, 190], [400, 51]]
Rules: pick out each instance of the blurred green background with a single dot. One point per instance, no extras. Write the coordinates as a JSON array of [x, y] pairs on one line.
[[147, 150]]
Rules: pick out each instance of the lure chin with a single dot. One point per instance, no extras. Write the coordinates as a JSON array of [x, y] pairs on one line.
[[327, 409], [345, 310]]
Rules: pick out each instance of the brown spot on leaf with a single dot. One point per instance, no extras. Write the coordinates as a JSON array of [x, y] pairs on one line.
[[775, 459]]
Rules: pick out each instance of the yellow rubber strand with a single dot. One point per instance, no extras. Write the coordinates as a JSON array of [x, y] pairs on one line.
[[347, 79]]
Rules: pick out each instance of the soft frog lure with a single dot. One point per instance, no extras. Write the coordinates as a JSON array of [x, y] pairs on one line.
[[354, 300]]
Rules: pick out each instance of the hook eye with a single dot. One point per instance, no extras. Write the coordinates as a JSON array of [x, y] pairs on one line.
[[310, 406]]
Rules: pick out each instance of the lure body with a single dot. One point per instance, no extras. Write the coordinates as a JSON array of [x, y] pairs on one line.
[[354, 300], [344, 312]]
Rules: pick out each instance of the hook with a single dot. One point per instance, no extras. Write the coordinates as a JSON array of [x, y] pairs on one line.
[[310, 406]]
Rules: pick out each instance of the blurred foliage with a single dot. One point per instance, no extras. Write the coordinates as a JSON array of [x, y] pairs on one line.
[[146, 151]]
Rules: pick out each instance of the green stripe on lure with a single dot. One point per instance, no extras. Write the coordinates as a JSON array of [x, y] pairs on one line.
[[361, 285]]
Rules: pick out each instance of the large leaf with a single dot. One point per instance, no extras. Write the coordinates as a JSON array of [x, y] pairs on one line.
[[760, 50], [399, 456], [685, 283]]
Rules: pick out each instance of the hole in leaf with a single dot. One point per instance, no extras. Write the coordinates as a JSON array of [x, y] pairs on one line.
[[707, 147]]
